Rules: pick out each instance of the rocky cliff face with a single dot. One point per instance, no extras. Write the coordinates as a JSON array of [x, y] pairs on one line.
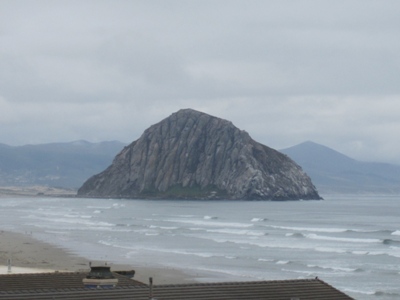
[[197, 156]]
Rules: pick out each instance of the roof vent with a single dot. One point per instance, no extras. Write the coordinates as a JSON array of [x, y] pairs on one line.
[[100, 277]]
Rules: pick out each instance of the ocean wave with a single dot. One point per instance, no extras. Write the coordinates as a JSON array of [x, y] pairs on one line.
[[295, 234], [331, 230], [331, 250], [207, 223], [259, 220], [76, 221], [393, 253], [363, 292], [237, 232], [310, 229], [164, 227], [210, 218], [267, 244], [182, 252], [98, 207], [336, 269], [395, 295], [397, 232], [265, 260], [341, 239], [391, 242], [379, 293], [57, 232], [360, 252]]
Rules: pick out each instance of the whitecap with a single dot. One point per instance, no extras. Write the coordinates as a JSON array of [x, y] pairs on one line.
[[213, 223], [295, 234], [237, 232], [332, 250], [85, 217], [364, 292], [339, 239], [336, 269], [163, 227], [265, 260], [311, 229], [259, 220]]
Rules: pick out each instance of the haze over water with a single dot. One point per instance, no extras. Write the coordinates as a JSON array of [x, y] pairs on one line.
[[350, 242]]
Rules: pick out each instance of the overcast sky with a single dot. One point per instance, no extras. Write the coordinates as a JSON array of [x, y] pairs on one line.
[[284, 71]]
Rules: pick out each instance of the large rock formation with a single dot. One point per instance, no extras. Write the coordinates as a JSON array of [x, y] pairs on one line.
[[197, 156]]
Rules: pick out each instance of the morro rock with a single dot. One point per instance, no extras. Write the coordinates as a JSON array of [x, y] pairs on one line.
[[192, 155]]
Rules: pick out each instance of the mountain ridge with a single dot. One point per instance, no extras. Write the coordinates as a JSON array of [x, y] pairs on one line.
[[65, 165], [334, 172]]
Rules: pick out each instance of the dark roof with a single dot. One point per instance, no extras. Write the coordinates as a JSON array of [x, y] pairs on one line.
[[303, 289]]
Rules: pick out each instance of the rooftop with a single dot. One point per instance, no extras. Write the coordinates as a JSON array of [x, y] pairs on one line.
[[69, 286]]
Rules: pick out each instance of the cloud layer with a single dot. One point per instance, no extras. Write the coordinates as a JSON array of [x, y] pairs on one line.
[[285, 71]]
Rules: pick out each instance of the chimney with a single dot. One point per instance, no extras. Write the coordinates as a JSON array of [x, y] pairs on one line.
[[100, 277], [9, 265], [151, 288]]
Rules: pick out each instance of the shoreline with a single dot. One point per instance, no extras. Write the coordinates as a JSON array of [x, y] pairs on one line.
[[29, 255]]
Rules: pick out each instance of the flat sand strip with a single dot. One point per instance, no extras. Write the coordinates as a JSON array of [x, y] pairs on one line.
[[30, 255]]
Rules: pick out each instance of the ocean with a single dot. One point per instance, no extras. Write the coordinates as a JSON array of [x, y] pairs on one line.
[[350, 242]]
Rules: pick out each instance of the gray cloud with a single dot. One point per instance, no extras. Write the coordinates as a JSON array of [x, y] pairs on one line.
[[285, 71]]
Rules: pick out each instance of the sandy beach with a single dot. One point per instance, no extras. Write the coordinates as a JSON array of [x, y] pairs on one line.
[[29, 255]]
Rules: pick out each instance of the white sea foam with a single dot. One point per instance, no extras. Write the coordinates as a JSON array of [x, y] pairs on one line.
[[179, 252], [57, 232], [363, 292], [295, 234], [360, 252], [99, 207], [207, 223], [209, 218], [74, 221], [163, 227], [330, 230], [237, 232], [330, 250], [340, 239], [85, 217], [397, 232], [335, 268], [265, 260], [258, 220]]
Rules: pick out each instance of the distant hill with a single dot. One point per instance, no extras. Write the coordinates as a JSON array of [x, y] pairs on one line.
[[65, 165], [333, 172]]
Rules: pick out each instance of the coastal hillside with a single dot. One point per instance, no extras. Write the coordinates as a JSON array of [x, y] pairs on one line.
[[65, 165], [333, 172], [193, 155]]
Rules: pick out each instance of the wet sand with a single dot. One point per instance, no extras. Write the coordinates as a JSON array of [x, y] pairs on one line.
[[28, 255]]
